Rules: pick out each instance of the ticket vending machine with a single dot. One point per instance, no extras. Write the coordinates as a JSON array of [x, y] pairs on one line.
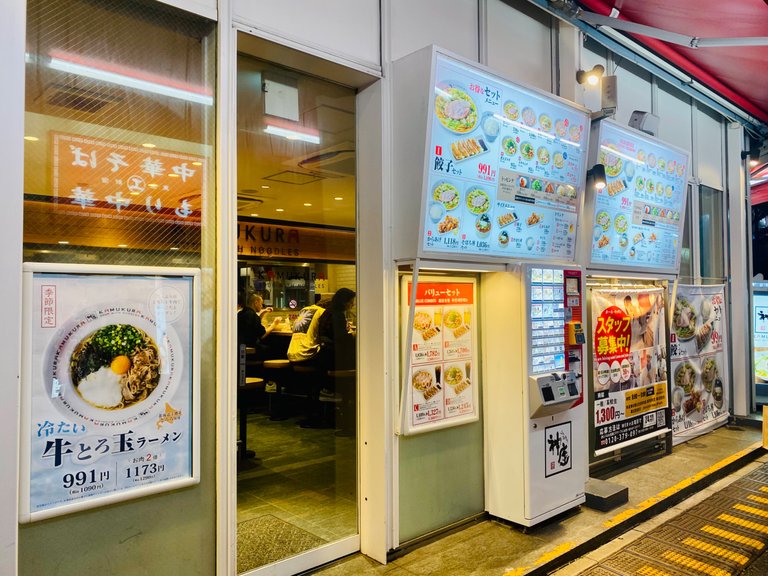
[[534, 411]]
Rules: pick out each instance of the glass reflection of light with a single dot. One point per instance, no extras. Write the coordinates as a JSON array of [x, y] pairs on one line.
[[612, 151]]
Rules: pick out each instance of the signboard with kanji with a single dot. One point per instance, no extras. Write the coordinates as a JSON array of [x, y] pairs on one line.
[[442, 363], [629, 366], [109, 385]]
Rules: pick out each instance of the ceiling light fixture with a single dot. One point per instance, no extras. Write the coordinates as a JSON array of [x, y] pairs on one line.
[[149, 145], [307, 203], [290, 134], [122, 245], [264, 186], [31, 138], [279, 210], [174, 248], [127, 77], [591, 77], [338, 198], [63, 242]]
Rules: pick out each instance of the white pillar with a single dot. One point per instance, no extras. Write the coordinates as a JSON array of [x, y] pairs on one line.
[[12, 34]]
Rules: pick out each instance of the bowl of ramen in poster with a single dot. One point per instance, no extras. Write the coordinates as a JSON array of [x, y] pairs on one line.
[[113, 364]]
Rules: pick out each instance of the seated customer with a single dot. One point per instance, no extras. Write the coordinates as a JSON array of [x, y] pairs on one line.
[[337, 336], [305, 342], [250, 330]]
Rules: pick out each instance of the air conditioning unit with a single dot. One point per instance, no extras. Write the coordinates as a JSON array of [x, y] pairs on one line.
[[339, 161]]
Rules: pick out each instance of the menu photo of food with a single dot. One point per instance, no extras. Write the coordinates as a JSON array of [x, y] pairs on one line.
[[457, 322], [425, 381], [690, 322], [454, 108], [424, 326], [457, 377]]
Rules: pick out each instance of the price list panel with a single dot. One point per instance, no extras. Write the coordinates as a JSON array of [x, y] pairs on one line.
[[639, 215], [505, 168], [547, 318]]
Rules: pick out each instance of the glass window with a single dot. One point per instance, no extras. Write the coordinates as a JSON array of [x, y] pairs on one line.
[[712, 239], [297, 277], [119, 170]]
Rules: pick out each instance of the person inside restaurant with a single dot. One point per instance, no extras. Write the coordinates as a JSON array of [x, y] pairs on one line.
[[337, 334], [250, 329]]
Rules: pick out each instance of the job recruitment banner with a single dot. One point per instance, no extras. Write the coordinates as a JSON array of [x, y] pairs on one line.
[[441, 388], [698, 352], [109, 407], [629, 366]]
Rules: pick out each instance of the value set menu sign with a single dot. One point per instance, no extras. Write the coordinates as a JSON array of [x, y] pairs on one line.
[[639, 215], [699, 361], [505, 168], [629, 364], [109, 386], [441, 384]]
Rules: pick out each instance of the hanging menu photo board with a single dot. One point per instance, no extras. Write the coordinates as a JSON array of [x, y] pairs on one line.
[[698, 350], [441, 385], [505, 168], [760, 335], [639, 215], [110, 385], [629, 366]]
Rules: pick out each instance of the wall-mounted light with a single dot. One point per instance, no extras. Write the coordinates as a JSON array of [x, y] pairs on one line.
[[753, 155], [597, 175], [591, 77]]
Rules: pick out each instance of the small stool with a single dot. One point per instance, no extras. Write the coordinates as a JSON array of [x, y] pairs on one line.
[[251, 384], [312, 379], [346, 385], [277, 370]]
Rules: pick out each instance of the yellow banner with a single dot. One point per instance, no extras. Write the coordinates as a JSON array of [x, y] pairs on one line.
[[641, 400]]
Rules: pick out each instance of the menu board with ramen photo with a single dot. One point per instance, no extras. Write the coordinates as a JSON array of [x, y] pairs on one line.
[[441, 387], [629, 364], [699, 360], [638, 216], [109, 385], [506, 168]]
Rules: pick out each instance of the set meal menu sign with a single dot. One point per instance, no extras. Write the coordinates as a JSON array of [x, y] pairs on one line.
[[441, 384], [639, 215], [109, 397], [505, 168]]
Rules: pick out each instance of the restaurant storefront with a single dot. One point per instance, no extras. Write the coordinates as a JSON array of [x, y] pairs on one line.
[[257, 144]]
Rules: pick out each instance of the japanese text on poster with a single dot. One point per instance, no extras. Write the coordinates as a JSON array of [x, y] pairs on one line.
[[505, 170], [629, 363], [109, 395], [699, 361], [442, 389]]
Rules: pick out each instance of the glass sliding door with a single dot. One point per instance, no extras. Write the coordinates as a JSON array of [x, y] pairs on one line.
[[297, 284]]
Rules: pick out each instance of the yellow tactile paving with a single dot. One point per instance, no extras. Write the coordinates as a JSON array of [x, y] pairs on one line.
[[733, 537], [688, 562], [759, 499], [764, 489], [651, 571], [715, 550], [750, 510], [744, 523]]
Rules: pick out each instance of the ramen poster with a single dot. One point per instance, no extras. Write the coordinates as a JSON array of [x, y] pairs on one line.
[[699, 361], [441, 387], [629, 365], [109, 386]]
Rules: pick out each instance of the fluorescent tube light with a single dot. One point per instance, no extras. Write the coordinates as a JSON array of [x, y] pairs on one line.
[[292, 134], [71, 67]]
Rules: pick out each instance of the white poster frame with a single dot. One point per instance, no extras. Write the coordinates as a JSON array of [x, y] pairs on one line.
[[192, 382], [404, 424]]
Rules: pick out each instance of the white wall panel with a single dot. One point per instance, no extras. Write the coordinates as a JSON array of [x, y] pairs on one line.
[[450, 24], [708, 156], [675, 119], [346, 29], [205, 8], [519, 45], [634, 91]]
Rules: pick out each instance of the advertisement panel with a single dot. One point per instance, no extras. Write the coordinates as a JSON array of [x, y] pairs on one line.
[[109, 385], [441, 378], [760, 336], [698, 351], [639, 215], [629, 366], [505, 170]]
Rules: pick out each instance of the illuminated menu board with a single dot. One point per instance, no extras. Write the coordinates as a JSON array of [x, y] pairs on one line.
[[547, 317], [639, 215], [505, 168]]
